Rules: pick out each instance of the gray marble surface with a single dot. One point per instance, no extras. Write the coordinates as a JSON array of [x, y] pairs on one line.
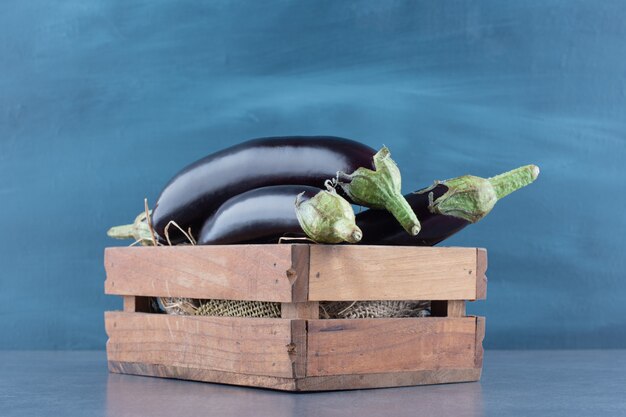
[[514, 383]]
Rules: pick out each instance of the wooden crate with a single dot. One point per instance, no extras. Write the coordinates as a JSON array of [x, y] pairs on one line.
[[299, 351]]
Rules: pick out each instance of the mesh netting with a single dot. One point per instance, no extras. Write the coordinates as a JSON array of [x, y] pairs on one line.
[[229, 308], [328, 309], [373, 309]]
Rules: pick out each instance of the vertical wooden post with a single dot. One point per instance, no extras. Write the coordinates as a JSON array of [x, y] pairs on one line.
[[481, 270], [309, 310], [456, 308]]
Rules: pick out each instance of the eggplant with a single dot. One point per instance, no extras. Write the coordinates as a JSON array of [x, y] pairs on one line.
[[444, 208], [201, 188], [380, 228], [266, 214]]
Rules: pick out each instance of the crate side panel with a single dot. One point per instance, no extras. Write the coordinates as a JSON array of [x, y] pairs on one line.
[[251, 346], [337, 347], [347, 273], [234, 272]]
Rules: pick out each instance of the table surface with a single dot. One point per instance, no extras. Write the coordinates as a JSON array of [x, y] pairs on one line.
[[524, 383]]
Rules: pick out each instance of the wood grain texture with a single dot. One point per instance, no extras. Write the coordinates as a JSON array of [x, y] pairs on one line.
[[348, 273], [320, 383], [298, 348], [456, 308], [481, 277], [480, 336], [231, 344], [202, 374], [298, 274], [233, 272], [309, 310], [338, 347], [390, 379]]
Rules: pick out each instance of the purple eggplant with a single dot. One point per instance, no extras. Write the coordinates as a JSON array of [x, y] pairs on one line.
[[266, 214], [201, 188], [380, 228], [444, 208]]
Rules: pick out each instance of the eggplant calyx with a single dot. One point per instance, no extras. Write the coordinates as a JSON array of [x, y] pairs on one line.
[[327, 218], [380, 189], [139, 230], [472, 198]]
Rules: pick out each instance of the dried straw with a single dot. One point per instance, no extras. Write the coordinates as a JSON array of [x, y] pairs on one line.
[[373, 309], [178, 306]]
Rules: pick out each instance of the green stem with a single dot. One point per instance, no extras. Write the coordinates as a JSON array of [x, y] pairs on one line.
[[402, 211], [504, 184], [380, 189], [126, 231], [138, 230]]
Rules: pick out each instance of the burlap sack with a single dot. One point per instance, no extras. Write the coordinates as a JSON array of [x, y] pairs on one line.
[[328, 310]]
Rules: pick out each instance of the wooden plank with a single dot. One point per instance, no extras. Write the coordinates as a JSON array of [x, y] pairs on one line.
[[231, 344], [309, 310], [135, 304], [201, 374], [390, 379], [347, 273], [321, 383], [481, 270], [338, 347], [232, 272]]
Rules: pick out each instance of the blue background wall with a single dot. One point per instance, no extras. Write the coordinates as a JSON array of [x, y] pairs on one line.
[[101, 102]]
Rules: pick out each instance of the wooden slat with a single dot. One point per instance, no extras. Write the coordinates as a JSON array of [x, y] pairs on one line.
[[338, 347], [230, 344], [347, 273], [201, 374], [234, 272], [297, 273], [319, 383], [390, 379]]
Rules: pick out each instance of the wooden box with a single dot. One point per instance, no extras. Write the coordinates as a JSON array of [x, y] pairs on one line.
[[299, 351]]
